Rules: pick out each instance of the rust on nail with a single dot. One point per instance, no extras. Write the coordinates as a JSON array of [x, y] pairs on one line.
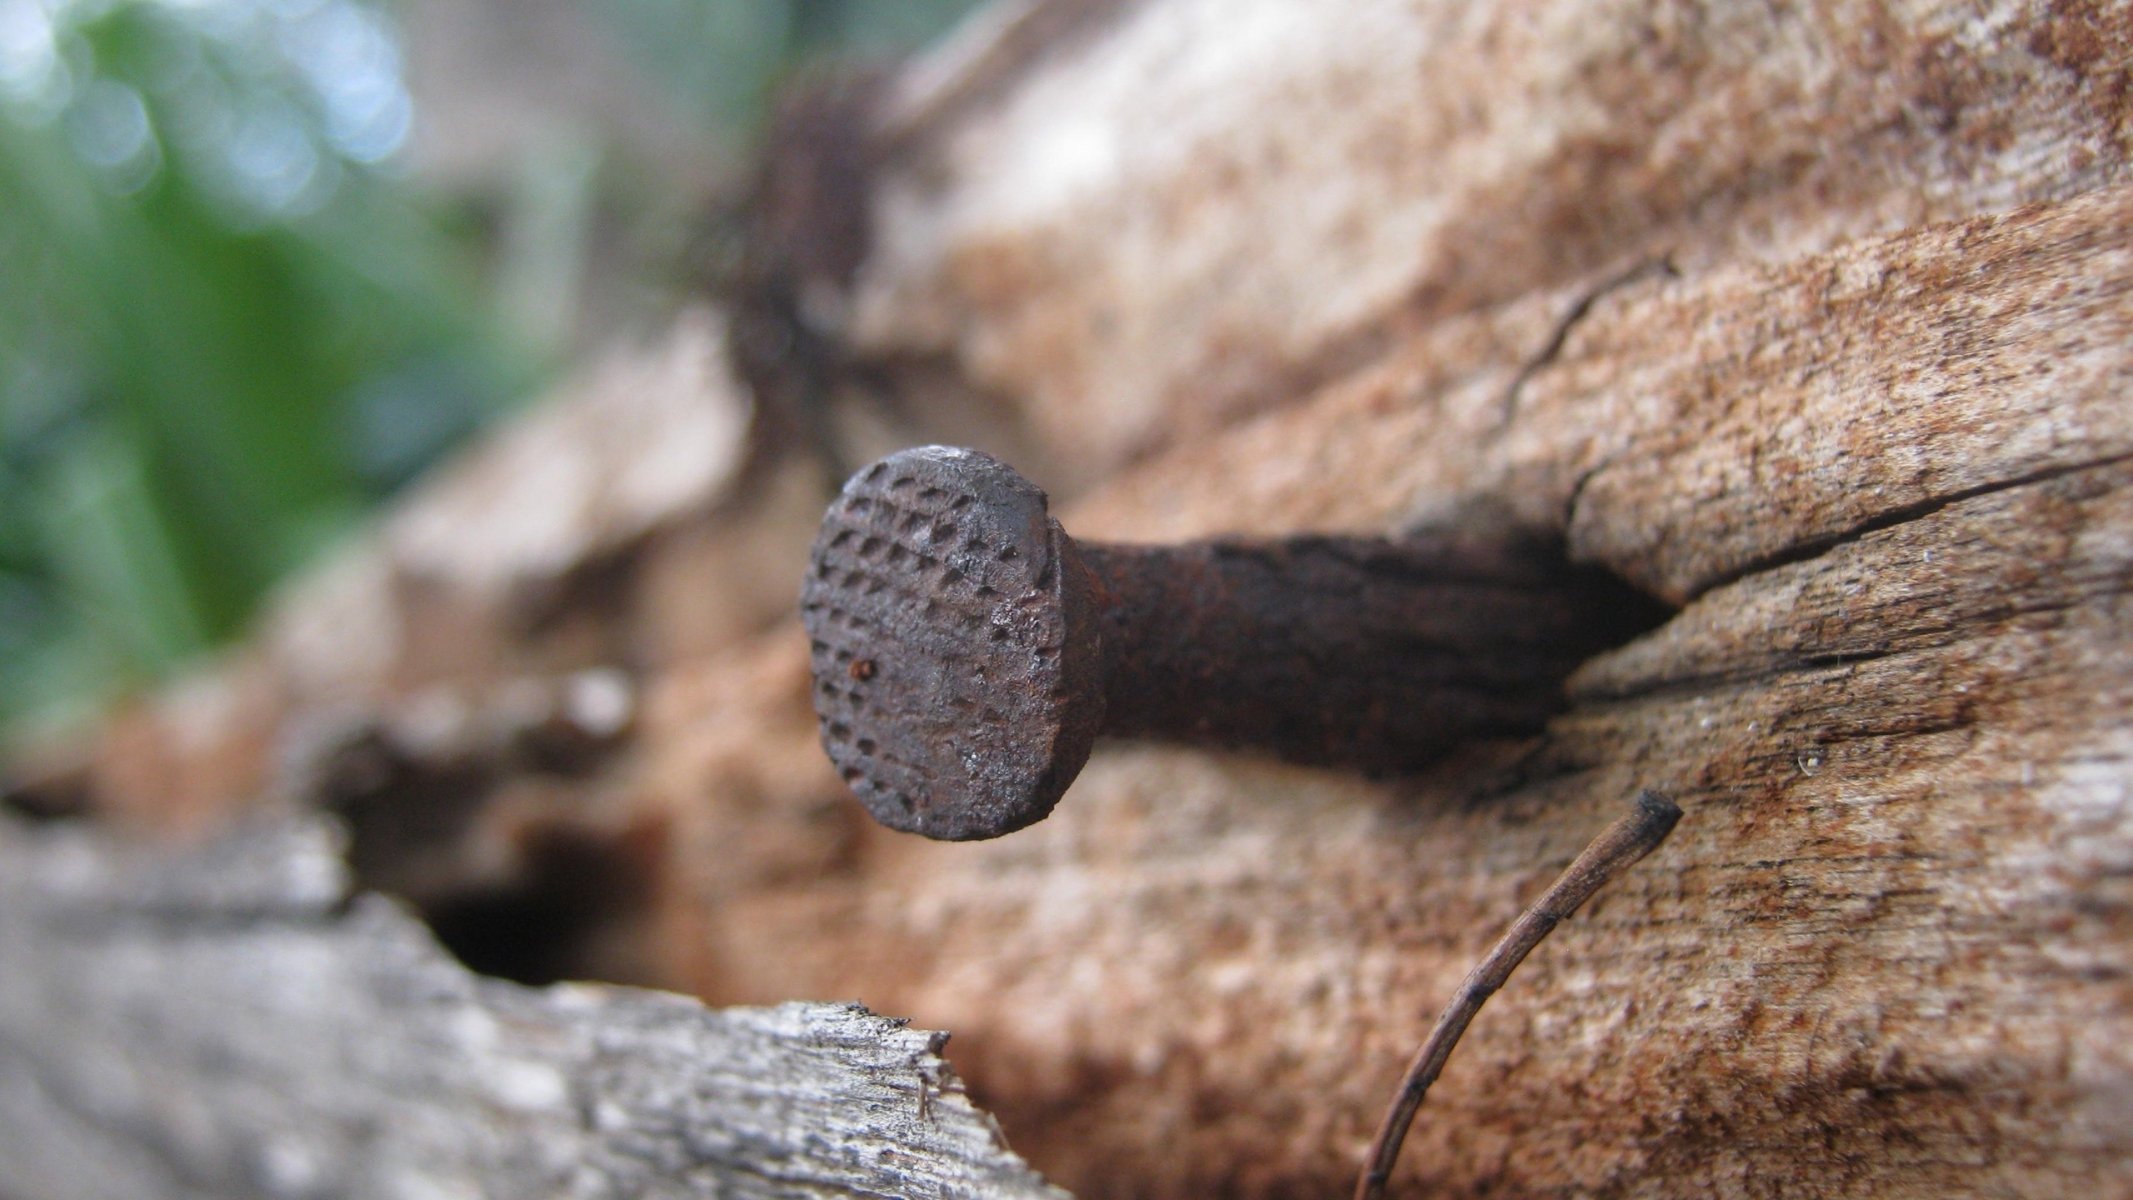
[[967, 652]]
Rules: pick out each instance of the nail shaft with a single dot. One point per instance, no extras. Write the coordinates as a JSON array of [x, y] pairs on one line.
[[1373, 653]]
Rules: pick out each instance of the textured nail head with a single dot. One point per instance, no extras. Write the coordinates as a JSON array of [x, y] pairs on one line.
[[957, 675]]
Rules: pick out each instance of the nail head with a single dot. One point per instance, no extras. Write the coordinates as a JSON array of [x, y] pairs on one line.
[[962, 622]]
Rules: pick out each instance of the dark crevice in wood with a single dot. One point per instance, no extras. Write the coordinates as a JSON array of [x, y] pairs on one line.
[[573, 887], [63, 794], [527, 897], [1903, 514]]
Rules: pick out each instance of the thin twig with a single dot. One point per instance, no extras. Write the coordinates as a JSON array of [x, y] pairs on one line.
[[1630, 838]]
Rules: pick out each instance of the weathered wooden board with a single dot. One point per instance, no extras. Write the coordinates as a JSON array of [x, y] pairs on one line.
[[1813, 321], [226, 1023], [1212, 207], [1870, 428], [1887, 952]]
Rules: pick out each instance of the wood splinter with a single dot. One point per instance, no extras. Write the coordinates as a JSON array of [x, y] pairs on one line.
[[1617, 847]]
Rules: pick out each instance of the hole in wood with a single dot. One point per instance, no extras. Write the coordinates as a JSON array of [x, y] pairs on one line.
[[484, 827]]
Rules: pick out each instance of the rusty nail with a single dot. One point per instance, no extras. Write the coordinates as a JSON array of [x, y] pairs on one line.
[[967, 652]]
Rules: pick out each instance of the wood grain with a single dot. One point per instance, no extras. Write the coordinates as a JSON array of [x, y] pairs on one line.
[[1886, 954], [225, 1023], [1813, 322]]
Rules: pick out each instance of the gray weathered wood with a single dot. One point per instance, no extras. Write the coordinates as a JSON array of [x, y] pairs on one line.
[[225, 1023]]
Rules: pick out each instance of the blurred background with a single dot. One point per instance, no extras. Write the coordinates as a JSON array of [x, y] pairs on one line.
[[262, 261]]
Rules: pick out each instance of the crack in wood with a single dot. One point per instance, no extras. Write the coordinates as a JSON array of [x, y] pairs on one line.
[[1575, 315], [1903, 514]]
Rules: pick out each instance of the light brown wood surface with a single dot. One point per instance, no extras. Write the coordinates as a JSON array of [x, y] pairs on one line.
[[1815, 322]]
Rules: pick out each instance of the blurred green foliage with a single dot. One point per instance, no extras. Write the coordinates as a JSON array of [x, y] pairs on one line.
[[215, 308], [229, 325]]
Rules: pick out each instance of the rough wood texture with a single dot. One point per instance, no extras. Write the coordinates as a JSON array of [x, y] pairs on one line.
[[1814, 322], [1211, 207], [1870, 431], [223, 1024]]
